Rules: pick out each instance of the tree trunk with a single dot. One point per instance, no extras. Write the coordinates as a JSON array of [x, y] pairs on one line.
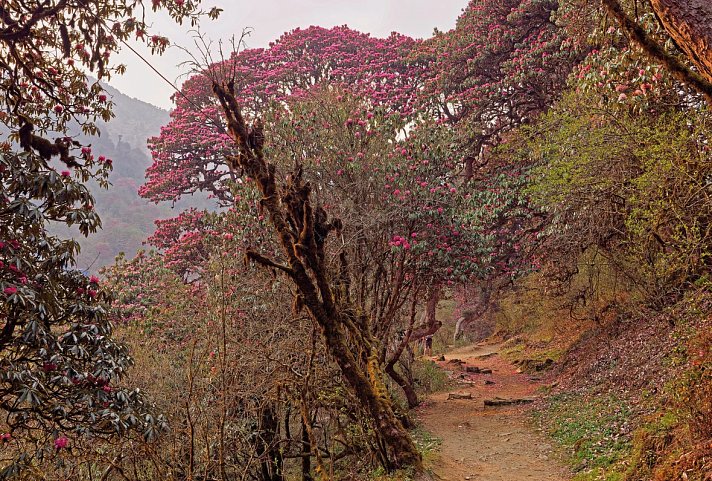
[[306, 448], [267, 446], [302, 231], [689, 23], [410, 395], [371, 392]]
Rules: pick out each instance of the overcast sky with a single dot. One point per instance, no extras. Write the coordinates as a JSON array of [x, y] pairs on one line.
[[270, 18]]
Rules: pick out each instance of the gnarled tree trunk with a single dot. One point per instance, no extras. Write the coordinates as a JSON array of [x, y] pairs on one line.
[[689, 23], [302, 231]]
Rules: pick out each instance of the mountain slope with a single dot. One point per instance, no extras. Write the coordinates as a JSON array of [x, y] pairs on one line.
[[127, 219]]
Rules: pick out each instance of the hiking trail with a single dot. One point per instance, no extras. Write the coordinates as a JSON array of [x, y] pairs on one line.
[[487, 443]]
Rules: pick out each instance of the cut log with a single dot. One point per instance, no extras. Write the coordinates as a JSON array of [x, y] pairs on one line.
[[477, 370], [457, 395], [508, 402], [487, 356]]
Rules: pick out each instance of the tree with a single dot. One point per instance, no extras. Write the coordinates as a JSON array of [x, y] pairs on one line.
[[302, 229], [353, 151], [637, 200], [503, 64], [188, 155], [61, 369]]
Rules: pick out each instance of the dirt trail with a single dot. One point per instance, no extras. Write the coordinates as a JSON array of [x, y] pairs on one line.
[[487, 443]]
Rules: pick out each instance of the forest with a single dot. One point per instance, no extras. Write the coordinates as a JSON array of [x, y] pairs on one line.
[[485, 254]]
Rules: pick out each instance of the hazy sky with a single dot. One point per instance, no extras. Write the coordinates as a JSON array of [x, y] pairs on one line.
[[269, 19]]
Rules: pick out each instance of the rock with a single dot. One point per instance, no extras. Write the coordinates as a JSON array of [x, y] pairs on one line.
[[497, 401], [489, 381], [455, 361], [485, 371], [534, 365], [441, 358], [457, 395]]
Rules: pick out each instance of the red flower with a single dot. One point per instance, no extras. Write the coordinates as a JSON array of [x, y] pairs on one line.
[[10, 290], [61, 443]]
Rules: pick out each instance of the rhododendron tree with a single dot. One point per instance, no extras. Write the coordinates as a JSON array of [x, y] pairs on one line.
[[503, 64], [61, 369], [188, 155], [346, 128]]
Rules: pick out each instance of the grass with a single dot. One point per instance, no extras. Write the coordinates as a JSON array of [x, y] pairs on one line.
[[592, 431], [429, 377]]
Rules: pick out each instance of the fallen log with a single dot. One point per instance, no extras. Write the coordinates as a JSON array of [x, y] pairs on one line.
[[477, 370], [457, 395], [497, 401]]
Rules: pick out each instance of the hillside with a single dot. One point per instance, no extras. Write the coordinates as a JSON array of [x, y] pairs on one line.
[[127, 219]]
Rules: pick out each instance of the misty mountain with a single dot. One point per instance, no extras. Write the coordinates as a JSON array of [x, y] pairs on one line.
[[127, 219]]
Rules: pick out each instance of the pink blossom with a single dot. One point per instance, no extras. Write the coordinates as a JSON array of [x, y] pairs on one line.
[[61, 443]]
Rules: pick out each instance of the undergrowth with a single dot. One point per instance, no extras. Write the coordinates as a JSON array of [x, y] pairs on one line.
[[593, 432]]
